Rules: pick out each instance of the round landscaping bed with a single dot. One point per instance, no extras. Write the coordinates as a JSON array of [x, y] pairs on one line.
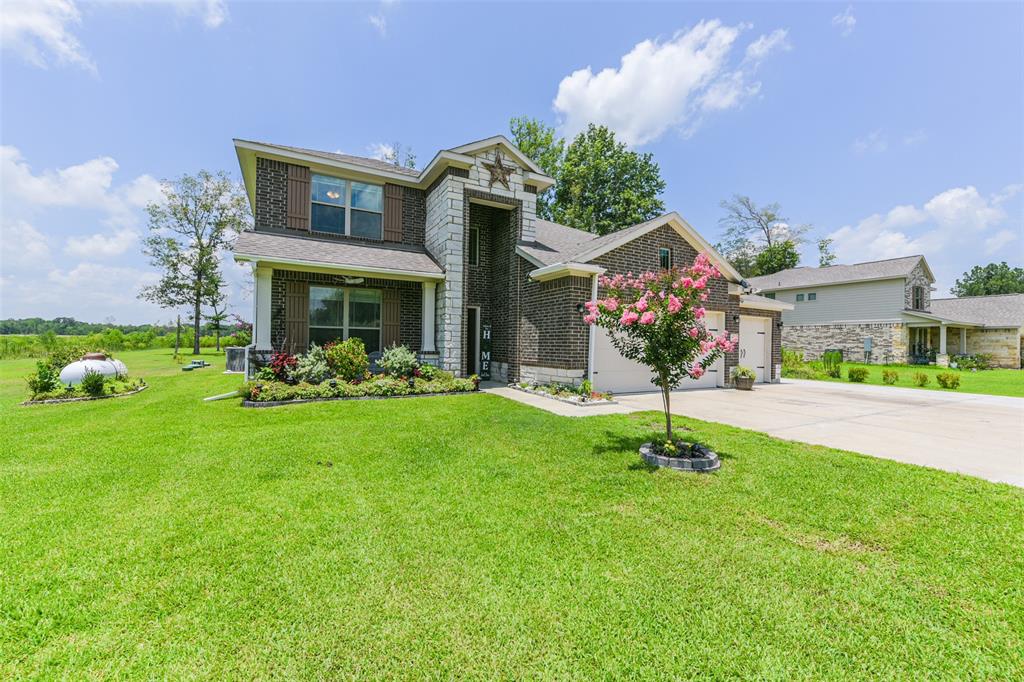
[[85, 398], [690, 457]]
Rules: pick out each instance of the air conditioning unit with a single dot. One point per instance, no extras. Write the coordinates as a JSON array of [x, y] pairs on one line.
[[235, 359]]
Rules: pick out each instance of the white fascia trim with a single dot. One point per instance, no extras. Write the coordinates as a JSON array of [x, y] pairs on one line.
[[565, 270], [685, 231], [941, 320], [520, 251], [538, 180], [315, 266], [442, 160], [764, 304], [501, 140], [758, 289]]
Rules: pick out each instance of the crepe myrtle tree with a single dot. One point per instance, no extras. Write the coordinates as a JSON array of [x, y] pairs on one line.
[[657, 319]]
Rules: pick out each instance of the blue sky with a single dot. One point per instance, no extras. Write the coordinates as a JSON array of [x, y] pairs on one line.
[[896, 129]]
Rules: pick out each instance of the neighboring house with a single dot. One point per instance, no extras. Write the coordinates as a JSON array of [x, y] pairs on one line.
[[453, 262], [883, 311]]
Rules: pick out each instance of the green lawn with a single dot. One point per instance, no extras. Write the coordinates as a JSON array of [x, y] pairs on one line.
[[158, 536], [1008, 382]]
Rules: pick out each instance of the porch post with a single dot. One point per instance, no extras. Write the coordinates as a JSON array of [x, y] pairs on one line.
[[261, 325], [942, 359], [427, 341], [963, 340]]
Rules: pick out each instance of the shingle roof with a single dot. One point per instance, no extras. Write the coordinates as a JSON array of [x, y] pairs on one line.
[[836, 274], [991, 311], [556, 243], [375, 164], [270, 245]]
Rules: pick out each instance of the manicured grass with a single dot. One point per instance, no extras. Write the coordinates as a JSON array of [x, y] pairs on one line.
[[158, 536], [1008, 382]]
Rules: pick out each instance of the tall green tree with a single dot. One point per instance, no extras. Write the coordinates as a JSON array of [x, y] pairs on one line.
[[989, 280], [777, 257], [826, 257], [539, 142], [601, 185], [198, 218], [749, 229]]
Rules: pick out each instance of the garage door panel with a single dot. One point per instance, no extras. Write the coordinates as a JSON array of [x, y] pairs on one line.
[[754, 343]]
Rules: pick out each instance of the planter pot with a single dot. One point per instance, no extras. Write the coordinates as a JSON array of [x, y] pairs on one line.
[[744, 383], [697, 464]]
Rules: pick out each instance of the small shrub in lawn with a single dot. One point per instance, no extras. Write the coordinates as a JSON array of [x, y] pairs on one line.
[[920, 379], [833, 363], [949, 380], [348, 359], [93, 384], [398, 361], [45, 379], [857, 374], [890, 376]]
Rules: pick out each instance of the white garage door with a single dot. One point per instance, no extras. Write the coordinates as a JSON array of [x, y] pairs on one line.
[[754, 345], [617, 374]]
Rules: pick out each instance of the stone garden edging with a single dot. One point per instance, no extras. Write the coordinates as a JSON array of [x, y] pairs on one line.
[[695, 464], [58, 401], [567, 401], [281, 403]]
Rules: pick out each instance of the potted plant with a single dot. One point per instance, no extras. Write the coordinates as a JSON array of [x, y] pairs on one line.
[[743, 377], [657, 319]]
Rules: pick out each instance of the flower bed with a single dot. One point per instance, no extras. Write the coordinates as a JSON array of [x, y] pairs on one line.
[[118, 388], [680, 455], [46, 385], [582, 396], [260, 394]]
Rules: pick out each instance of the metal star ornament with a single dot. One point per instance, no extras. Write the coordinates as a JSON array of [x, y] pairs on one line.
[[499, 172]]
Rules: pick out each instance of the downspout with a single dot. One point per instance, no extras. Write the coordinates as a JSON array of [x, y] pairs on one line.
[[592, 334]]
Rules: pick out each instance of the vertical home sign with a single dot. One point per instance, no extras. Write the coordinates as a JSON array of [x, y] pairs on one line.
[[485, 352]]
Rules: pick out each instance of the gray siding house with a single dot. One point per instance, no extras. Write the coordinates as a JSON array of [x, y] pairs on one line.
[[453, 262], [883, 312]]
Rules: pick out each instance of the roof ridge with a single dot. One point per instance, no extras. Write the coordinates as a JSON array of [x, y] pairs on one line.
[[974, 298]]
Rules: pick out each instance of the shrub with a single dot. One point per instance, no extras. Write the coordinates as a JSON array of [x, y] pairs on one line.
[[920, 378], [890, 376], [792, 359], [348, 360], [62, 356], [949, 380], [586, 388], [44, 380], [312, 367], [428, 372], [93, 383], [282, 364], [379, 386], [833, 363], [398, 361], [857, 374]]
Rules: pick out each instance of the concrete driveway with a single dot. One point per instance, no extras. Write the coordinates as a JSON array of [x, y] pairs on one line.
[[971, 434]]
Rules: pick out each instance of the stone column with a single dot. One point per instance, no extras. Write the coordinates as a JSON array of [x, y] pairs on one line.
[[429, 298], [261, 325]]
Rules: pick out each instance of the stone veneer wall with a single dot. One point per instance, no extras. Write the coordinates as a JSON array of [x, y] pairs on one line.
[[271, 193], [444, 241], [919, 278], [889, 340], [410, 303], [1004, 345]]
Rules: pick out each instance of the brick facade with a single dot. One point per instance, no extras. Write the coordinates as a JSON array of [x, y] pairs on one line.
[[271, 193], [554, 334], [410, 302]]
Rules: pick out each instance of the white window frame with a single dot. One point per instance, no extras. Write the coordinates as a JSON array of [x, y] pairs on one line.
[[799, 298], [812, 296], [669, 250], [348, 207], [345, 327]]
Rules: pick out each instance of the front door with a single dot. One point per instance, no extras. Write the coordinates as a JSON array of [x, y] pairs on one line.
[[473, 340]]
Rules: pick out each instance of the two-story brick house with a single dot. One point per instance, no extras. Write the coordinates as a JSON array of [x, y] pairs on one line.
[[452, 261]]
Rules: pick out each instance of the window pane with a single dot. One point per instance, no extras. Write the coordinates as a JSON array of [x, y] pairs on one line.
[[771, 295], [799, 297], [665, 257], [369, 197], [811, 297], [365, 224], [370, 337], [328, 190], [323, 335], [474, 246], [328, 219], [326, 306], [364, 308]]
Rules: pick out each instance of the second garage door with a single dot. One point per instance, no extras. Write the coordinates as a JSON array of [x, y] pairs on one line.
[[617, 374]]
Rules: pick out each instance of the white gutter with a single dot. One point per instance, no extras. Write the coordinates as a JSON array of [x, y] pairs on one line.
[[564, 270], [763, 303]]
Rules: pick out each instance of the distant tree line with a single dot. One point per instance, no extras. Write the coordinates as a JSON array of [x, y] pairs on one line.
[[69, 326]]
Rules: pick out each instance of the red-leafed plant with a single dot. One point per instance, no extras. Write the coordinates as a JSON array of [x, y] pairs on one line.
[[281, 364]]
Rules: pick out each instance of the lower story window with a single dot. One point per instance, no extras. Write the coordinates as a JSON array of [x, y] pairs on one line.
[[339, 313]]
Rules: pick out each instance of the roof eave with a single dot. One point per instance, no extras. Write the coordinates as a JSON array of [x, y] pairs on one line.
[[336, 268], [566, 269]]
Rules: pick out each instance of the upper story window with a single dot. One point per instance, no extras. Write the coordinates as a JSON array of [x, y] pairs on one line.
[[769, 295], [799, 298], [665, 258], [918, 298], [812, 297], [346, 207]]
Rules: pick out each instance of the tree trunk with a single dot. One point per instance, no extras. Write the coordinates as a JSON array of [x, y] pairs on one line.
[[196, 321], [218, 337], [667, 400], [177, 338]]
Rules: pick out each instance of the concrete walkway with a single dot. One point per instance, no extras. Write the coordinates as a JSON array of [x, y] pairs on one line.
[[972, 434]]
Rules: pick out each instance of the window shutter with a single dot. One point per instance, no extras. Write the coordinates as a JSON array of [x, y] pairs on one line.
[[389, 318], [297, 216], [392, 213], [296, 317]]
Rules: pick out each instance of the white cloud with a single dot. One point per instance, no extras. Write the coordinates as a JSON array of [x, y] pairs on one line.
[[663, 85], [41, 32], [22, 246], [86, 291], [996, 242], [873, 142], [380, 22], [916, 137], [212, 13], [101, 245], [381, 151], [1007, 193], [953, 219], [845, 21]]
